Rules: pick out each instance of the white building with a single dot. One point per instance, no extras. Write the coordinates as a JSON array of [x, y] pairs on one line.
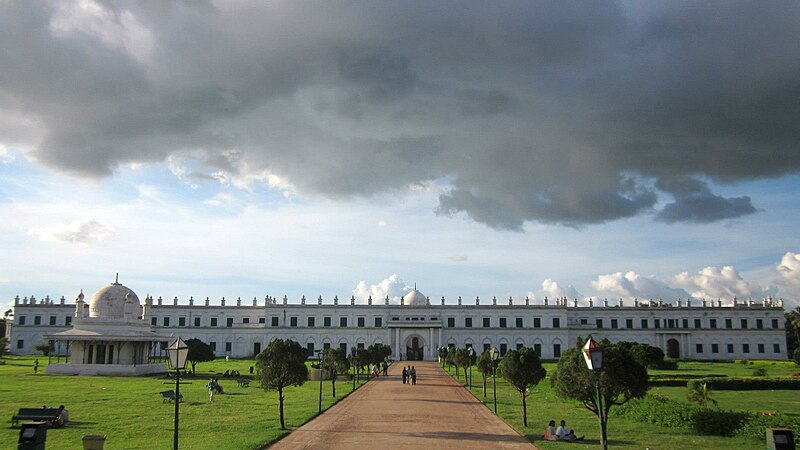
[[416, 327]]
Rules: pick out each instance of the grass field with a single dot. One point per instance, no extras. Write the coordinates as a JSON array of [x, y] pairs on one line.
[[132, 414], [544, 405]]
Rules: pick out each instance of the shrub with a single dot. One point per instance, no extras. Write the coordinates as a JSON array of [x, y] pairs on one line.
[[752, 384], [760, 372], [721, 423]]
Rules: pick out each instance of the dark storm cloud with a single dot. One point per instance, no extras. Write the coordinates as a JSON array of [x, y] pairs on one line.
[[529, 111]]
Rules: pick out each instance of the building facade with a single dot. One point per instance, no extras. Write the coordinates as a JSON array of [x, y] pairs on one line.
[[417, 327]]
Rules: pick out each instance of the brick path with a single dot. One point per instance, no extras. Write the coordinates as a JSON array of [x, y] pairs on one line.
[[387, 414]]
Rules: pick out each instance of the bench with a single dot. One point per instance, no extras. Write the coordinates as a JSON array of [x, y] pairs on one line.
[[49, 415], [170, 395], [243, 382]]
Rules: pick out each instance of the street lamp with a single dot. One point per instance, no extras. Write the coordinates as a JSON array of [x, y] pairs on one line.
[[320, 357], [494, 355], [593, 356], [471, 352], [177, 353]]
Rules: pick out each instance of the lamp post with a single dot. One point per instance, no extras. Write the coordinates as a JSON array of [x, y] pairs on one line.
[[471, 352], [494, 355], [320, 357], [593, 356], [177, 352]]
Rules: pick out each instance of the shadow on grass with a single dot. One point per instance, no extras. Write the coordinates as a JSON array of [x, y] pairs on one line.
[[77, 424], [535, 437]]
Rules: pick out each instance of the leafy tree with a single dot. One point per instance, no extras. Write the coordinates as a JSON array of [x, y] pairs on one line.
[[3, 345], [461, 359], [44, 348], [378, 353], [792, 330], [485, 366], [362, 359], [442, 355], [647, 355], [523, 370], [280, 365], [699, 393], [335, 362], [621, 379], [796, 355], [199, 352]]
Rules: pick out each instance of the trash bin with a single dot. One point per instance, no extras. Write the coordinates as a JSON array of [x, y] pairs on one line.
[[94, 441], [251, 370], [32, 436], [780, 439]]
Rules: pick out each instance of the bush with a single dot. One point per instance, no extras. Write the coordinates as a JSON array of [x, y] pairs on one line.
[[758, 423], [752, 384], [720, 423], [760, 372]]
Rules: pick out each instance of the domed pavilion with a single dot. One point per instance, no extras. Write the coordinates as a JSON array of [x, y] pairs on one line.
[[108, 337]]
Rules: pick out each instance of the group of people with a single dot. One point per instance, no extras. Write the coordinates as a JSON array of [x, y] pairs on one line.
[[231, 373], [551, 433], [214, 388], [409, 375], [378, 369]]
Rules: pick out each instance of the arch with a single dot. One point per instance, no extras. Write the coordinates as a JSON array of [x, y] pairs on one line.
[[377, 341], [415, 347], [673, 349]]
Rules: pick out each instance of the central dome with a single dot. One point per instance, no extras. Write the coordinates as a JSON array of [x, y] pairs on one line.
[[415, 298], [109, 302]]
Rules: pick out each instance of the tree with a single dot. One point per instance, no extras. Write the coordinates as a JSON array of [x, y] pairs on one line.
[[796, 355], [621, 379], [461, 359], [442, 355], [44, 348], [280, 365], [699, 393], [3, 345], [792, 330], [647, 355], [523, 370], [335, 362], [362, 359], [485, 366], [199, 352], [378, 353]]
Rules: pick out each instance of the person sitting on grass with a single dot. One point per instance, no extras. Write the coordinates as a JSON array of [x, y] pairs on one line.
[[565, 435], [550, 432]]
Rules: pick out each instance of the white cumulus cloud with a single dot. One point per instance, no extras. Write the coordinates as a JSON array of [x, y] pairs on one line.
[[634, 285], [713, 282], [81, 232], [789, 270], [393, 286]]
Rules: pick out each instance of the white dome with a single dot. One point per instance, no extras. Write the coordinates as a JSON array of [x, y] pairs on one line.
[[415, 298], [109, 302]]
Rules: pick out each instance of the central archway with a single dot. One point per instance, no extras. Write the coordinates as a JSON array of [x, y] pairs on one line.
[[673, 349], [415, 349]]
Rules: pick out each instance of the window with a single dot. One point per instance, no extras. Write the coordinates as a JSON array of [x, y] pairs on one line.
[[181, 321], [728, 323], [518, 323], [311, 321], [519, 346], [759, 323], [245, 320], [326, 321], [293, 321], [503, 323], [310, 348], [228, 346], [760, 348], [21, 320], [213, 322], [343, 322], [468, 322], [644, 323], [538, 349], [503, 349], [486, 322], [20, 343], [628, 323], [730, 348], [774, 323], [68, 320], [584, 321], [745, 348], [685, 323], [213, 346], [557, 350], [556, 322], [451, 322], [697, 323], [262, 320], [614, 323], [273, 321], [744, 323], [657, 323], [52, 320], [360, 345], [37, 320], [671, 323], [166, 321], [379, 322], [197, 321], [360, 322], [599, 323], [326, 346], [537, 322], [699, 348], [714, 348], [343, 346], [776, 348], [712, 323], [229, 322], [154, 321]]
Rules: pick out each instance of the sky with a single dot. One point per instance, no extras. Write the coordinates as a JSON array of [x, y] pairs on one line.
[[248, 149]]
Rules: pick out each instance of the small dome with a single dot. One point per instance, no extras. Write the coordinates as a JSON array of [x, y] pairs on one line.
[[109, 302], [415, 298]]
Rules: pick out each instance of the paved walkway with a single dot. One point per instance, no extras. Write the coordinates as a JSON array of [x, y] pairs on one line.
[[385, 413]]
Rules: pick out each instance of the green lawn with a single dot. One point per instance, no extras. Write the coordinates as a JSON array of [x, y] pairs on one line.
[[544, 405], [132, 414]]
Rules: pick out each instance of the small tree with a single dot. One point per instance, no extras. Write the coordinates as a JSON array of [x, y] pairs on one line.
[[280, 365], [378, 353], [442, 355], [199, 352], [362, 359], [621, 379], [796, 356], [461, 359], [44, 348], [335, 362], [523, 370], [3, 345], [485, 366], [699, 393]]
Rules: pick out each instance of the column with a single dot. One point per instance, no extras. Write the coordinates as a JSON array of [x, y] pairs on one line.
[[397, 343], [430, 345]]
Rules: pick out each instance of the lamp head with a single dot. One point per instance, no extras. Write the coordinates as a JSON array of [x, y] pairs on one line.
[[593, 355], [177, 353]]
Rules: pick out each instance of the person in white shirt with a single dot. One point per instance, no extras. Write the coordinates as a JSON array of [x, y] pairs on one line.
[[566, 435]]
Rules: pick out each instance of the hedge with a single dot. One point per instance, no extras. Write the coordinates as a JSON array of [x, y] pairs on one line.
[[749, 384]]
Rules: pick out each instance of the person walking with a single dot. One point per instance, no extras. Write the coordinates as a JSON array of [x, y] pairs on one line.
[[212, 388], [405, 375], [36, 366], [413, 375]]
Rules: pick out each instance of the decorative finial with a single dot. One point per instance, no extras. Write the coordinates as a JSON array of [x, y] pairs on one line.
[[116, 279]]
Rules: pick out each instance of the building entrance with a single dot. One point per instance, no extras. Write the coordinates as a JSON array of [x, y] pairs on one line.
[[673, 349], [414, 352]]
